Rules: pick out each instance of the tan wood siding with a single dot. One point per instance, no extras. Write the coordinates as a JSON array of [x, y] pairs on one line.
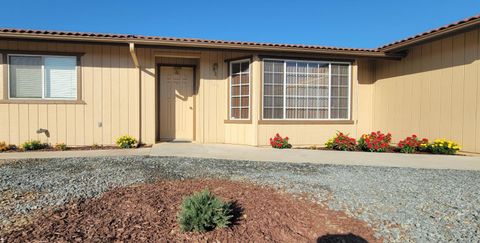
[[433, 92], [317, 134], [109, 91], [112, 88]]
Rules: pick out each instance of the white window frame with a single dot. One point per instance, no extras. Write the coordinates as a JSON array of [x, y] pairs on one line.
[[240, 85], [43, 77], [329, 89]]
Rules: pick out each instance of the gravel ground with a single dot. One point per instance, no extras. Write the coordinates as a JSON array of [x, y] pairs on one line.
[[401, 204]]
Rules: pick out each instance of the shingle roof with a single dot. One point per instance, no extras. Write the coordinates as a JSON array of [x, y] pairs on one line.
[[446, 28]]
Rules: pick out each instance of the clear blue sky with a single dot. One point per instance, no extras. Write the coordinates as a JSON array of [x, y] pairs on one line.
[[347, 23]]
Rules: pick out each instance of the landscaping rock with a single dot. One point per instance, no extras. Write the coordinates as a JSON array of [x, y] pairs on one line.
[[402, 204]]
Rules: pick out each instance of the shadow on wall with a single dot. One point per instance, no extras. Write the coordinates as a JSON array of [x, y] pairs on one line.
[[341, 238]]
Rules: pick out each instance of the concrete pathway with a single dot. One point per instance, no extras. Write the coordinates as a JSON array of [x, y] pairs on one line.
[[240, 152], [74, 153]]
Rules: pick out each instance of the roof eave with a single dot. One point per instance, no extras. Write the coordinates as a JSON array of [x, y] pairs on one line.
[[253, 47], [427, 37]]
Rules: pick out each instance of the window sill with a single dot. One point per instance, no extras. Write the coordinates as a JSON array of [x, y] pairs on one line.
[[237, 121], [306, 122], [79, 102]]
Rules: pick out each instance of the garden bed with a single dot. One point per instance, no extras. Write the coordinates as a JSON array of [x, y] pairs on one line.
[[72, 148], [391, 149], [148, 212]]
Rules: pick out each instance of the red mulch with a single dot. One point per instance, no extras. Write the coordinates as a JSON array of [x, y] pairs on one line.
[[147, 212]]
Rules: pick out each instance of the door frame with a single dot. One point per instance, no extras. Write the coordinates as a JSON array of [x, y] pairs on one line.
[[158, 98]]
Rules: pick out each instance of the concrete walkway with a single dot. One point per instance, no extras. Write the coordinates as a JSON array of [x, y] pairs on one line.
[[239, 152]]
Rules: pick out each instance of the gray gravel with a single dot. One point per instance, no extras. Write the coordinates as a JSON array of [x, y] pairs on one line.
[[402, 204]]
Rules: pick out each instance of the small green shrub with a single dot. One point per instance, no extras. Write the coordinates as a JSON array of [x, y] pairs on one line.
[[96, 146], [204, 211], [61, 146], [33, 145], [127, 141]]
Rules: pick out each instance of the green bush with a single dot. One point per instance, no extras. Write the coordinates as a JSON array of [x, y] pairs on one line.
[[61, 146], [127, 141], [204, 211], [33, 145]]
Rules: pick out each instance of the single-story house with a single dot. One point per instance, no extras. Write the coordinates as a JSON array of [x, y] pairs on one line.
[[90, 88]]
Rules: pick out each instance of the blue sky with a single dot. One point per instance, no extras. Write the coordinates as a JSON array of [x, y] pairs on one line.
[[343, 23]]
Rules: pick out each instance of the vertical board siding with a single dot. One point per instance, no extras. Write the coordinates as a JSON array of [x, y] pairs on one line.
[[109, 83], [433, 92], [111, 89]]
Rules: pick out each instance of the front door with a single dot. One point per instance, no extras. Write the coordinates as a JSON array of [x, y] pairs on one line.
[[176, 103]]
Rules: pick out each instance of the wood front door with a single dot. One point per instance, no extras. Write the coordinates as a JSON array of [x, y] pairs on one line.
[[176, 103]]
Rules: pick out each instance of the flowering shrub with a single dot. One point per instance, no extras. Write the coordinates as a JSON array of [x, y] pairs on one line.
[[127, 141], [279, 142], [4, 147], [375, 142], [412, 144], [60, 146], [341, 142], [443, 146]]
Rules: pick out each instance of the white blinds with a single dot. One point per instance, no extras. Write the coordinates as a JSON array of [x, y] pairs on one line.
[[26, 77], [47, 77], [60, 77]]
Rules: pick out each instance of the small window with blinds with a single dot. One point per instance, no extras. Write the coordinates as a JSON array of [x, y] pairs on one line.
[[240, 90], [306, 90], [42, 77]]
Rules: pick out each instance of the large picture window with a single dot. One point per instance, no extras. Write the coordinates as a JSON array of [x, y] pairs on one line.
[[240, 90], [42, 77], [301, 90]]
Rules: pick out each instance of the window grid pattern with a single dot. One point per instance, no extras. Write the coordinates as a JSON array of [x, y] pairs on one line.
[[240, 90], [273, 93], [305, 90], [339, 91]]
